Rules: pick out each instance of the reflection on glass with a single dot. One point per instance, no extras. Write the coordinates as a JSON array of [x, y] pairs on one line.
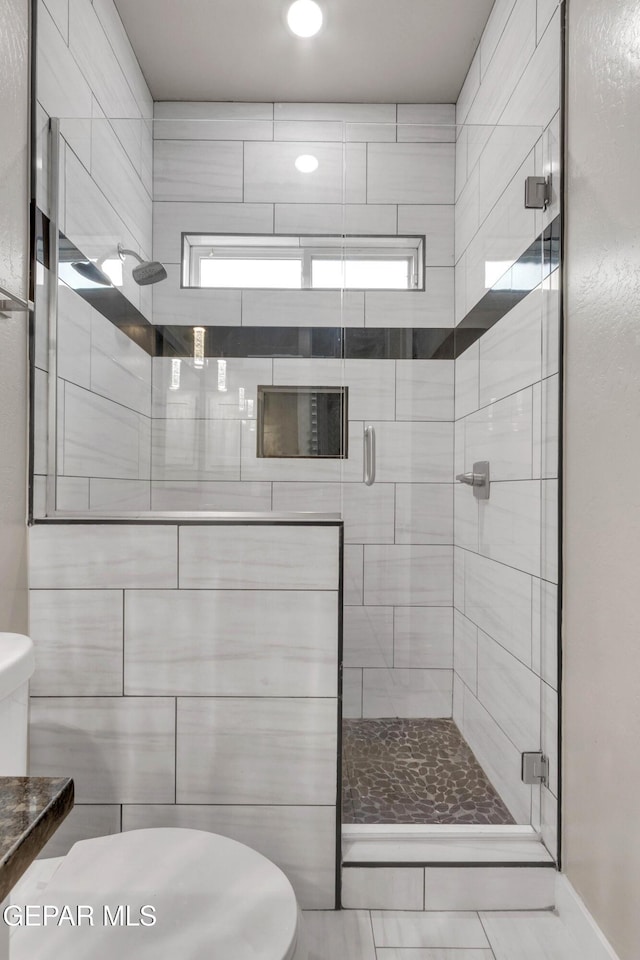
[[302, 421]]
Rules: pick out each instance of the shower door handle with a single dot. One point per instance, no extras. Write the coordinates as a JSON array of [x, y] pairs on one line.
[[369, 475]]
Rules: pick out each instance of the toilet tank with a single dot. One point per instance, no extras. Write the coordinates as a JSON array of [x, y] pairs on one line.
[[16, 666]]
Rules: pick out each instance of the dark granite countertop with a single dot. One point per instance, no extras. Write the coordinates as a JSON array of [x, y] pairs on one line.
[[31, 810]]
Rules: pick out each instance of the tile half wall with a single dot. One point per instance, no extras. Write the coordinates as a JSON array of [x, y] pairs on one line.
[[187, 675]]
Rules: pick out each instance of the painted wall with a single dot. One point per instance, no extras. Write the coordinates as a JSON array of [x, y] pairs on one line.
[[88, 76], [188, 676], [602, 516], [506, 410], [14, 206]]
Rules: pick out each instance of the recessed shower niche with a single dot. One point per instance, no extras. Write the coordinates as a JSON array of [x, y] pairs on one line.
[[302, 421]]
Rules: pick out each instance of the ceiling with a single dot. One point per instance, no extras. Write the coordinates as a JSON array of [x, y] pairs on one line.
[[372, 51]]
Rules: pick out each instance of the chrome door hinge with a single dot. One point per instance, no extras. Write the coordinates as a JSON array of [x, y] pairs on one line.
[[535, 768], [537, 193]]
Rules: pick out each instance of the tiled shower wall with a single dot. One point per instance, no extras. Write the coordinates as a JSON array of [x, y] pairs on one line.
[[187, 675], [230, 167], [88, 76], [506, 409]]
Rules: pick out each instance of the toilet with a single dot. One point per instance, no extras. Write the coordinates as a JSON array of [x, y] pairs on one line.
[[155, 893]]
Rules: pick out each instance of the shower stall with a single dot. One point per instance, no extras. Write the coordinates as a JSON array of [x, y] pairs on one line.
[[371, 338]]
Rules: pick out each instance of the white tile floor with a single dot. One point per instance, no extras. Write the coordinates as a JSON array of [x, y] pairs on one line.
[[396, 935]]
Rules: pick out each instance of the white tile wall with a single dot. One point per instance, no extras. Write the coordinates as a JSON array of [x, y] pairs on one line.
[[220, 390], [195, 449], [466, 379], [368, 512], [243, 643], [120, 746], [517, 44], [113, 172], [510, 524], [278, 199], [101, 438], [298, 839], [62, 89], [176, 495], [217, 558], [436, 223], [410, 173], [497, 755], [510, 692], [270, 175], [261, 750], [115, 496], [432, 307], [465, 650], [205, 170], [424, 390], [354, 575], [510, 353], [335, 121], [391, 888], [74, 337], [351, 693], [95, 226], [502, 433], [424, 513], [102, 556], [507, 415], [84, 821], [407, 693], [117, 749], [466, 527], [181, 306], [497, 598], [542, 75], [371, 383], [212, 121], [413, 452], [78, 642], [408, 575], [426, 122], [368, 636], [288, 308], [544, 624], [492, 888], [493, 31], [171, 219], [423, 638], [120, 369], [106, 60], [337, 218]]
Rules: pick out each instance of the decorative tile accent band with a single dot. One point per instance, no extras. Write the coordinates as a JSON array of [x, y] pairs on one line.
[[384, 343]]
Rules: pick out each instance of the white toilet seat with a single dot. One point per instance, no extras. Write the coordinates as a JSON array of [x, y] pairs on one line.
[[214, 899]]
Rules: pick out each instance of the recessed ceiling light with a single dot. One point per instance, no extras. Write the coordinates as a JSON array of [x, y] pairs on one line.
[[304, 18], [306, 163]]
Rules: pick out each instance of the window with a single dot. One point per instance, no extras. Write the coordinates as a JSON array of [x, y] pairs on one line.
[[299, 263]]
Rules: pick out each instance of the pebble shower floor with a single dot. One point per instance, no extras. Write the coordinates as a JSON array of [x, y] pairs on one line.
[[414, 771]]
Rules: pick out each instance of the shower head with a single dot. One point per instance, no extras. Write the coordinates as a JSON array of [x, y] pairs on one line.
[[90, 271], [147, 271]]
